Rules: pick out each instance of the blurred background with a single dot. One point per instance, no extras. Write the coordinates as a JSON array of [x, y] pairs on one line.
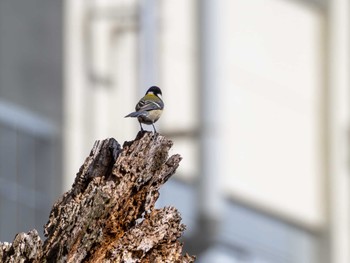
[[256, 100]]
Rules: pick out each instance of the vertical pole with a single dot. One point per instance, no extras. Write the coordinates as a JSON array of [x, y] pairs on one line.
[[74, 91], [339, 85], [209, 192]]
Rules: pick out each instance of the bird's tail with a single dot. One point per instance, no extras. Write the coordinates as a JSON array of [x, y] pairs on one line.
[[133, 114]]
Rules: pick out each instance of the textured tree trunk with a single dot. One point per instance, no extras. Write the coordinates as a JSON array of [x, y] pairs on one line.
[[109, 215]]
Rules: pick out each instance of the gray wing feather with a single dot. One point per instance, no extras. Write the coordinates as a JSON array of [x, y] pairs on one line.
[[149, 105], [133, 114]]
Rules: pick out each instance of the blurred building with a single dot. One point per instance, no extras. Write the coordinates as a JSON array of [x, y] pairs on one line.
[[257, 103], [31, 98]]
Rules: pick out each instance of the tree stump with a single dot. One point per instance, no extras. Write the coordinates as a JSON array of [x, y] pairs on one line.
[[108, 215]]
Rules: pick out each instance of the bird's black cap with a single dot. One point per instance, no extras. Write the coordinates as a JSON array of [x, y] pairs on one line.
[[155, 90]]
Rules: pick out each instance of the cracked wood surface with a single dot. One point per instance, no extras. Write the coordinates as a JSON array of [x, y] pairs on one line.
[[109, 215]]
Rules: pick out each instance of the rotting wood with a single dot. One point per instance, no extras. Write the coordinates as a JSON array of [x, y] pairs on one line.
[[108, 215]]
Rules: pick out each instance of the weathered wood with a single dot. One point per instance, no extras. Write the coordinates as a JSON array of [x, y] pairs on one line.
[[109, 215], [26, 247]]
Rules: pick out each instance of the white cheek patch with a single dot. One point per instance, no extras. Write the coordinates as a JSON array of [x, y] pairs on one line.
[[160, 96]]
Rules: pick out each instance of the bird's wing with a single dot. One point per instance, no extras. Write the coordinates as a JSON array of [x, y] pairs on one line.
[[147, 105]]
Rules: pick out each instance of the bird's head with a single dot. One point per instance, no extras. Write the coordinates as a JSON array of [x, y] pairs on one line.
[[155, 91]]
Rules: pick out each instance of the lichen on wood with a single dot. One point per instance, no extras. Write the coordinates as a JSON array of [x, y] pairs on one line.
[[108, 215]]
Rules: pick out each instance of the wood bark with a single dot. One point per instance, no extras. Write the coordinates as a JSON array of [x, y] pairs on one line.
[[108, 215]]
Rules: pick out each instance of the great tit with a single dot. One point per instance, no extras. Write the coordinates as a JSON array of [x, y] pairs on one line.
[[149, 108]]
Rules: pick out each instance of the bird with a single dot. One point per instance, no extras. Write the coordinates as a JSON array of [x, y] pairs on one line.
[[149, 108]]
